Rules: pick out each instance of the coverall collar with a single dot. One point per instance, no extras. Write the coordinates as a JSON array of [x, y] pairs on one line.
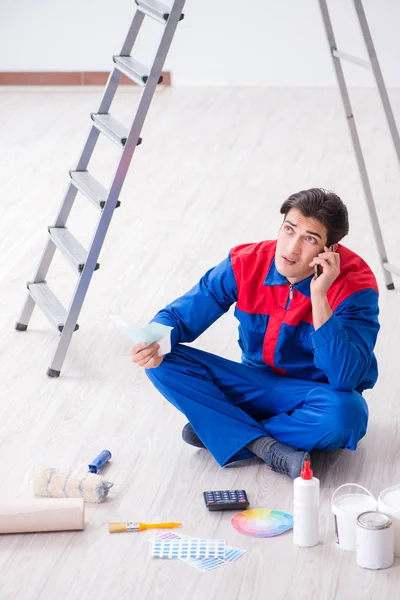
[[275, 278]]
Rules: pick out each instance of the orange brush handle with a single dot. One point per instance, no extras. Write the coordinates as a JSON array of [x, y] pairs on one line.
[[143, 526]]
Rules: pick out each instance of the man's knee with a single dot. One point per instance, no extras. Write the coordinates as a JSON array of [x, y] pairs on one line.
[[348, 411], [344, 418], [178, 365], [164, 369]]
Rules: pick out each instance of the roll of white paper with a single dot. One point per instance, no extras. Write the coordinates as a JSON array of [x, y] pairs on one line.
[[41, 514]]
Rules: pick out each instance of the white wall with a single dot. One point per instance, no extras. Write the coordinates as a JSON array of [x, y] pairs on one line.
[[266, 42]]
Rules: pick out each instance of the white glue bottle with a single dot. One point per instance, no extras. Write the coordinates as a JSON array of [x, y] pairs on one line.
[[306, 508]]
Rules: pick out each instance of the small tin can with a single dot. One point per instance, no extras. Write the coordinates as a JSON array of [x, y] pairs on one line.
[[375, 540]]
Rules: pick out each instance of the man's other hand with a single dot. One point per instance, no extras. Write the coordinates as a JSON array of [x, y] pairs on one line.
[[146, 356]]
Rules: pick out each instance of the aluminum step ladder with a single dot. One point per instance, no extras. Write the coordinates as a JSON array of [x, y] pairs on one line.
[[85, 262], [372, 64]]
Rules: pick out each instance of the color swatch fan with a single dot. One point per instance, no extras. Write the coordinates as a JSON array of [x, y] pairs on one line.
[[262, 522]]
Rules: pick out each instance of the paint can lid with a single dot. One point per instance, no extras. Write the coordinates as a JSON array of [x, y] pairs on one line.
[[373, 519], [354, 503]]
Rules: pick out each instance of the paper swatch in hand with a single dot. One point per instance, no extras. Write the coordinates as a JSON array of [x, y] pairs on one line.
[[153, 332]]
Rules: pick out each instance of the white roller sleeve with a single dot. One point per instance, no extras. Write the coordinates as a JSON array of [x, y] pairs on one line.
[[61, 483]]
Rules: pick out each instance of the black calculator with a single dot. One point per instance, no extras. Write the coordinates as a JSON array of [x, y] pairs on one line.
[[226, 500]]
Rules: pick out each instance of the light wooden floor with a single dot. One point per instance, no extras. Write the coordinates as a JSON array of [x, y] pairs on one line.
[[213, 169]]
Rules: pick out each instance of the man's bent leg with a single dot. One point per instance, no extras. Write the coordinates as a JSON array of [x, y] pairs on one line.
[[327, 420]]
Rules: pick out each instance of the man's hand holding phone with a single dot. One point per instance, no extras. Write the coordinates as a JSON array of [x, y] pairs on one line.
[[328, 263]]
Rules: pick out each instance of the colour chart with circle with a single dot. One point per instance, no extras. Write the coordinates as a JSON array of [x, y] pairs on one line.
[[262, 522]]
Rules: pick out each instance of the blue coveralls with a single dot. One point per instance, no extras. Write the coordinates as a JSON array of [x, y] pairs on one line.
[[300, 386]]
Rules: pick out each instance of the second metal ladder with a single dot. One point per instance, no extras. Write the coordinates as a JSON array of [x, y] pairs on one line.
[[373, 64]]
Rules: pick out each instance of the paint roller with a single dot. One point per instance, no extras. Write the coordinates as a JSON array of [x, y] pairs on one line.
[[61, 483]]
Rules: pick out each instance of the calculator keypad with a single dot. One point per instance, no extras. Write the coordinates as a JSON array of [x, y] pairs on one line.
[[226, 500]]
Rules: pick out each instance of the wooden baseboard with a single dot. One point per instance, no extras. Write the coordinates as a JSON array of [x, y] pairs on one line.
[[65, 78]]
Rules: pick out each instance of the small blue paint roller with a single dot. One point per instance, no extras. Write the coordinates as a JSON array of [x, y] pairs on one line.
[[99, 462]]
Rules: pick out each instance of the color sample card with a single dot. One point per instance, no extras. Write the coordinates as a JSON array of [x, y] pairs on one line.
[[231, 554], [152, 332], [206, 564], [188, 548], [262, 522]]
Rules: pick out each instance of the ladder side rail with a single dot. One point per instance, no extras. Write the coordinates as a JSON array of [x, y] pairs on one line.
[[394, 132], [356, 143]]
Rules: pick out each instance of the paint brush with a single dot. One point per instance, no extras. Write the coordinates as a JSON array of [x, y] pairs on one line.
[[133, 526]]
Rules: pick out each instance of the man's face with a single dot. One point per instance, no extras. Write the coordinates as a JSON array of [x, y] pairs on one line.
[[300, 239]]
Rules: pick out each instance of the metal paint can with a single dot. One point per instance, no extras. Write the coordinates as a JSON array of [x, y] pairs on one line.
[[389, 503], [375, 540]]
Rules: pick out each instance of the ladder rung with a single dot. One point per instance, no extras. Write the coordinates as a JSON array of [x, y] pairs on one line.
[[116, 131], [69, 246], [391, 268], [155, 9], [49, 304], [133, 69], [354, 59], [91, 188]]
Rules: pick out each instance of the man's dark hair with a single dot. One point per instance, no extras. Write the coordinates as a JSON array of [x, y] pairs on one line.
[[324, 206]]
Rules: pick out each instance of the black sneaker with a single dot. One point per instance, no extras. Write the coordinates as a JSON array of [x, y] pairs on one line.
[[287, 460], [190, 437]]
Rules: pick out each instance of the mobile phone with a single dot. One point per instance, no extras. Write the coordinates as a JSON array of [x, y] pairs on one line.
[[317, 268]]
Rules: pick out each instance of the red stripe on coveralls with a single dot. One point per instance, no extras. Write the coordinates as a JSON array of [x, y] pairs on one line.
[[271, 339]]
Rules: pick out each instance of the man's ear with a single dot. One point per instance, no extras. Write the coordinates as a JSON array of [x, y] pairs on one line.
[[334, 247]]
